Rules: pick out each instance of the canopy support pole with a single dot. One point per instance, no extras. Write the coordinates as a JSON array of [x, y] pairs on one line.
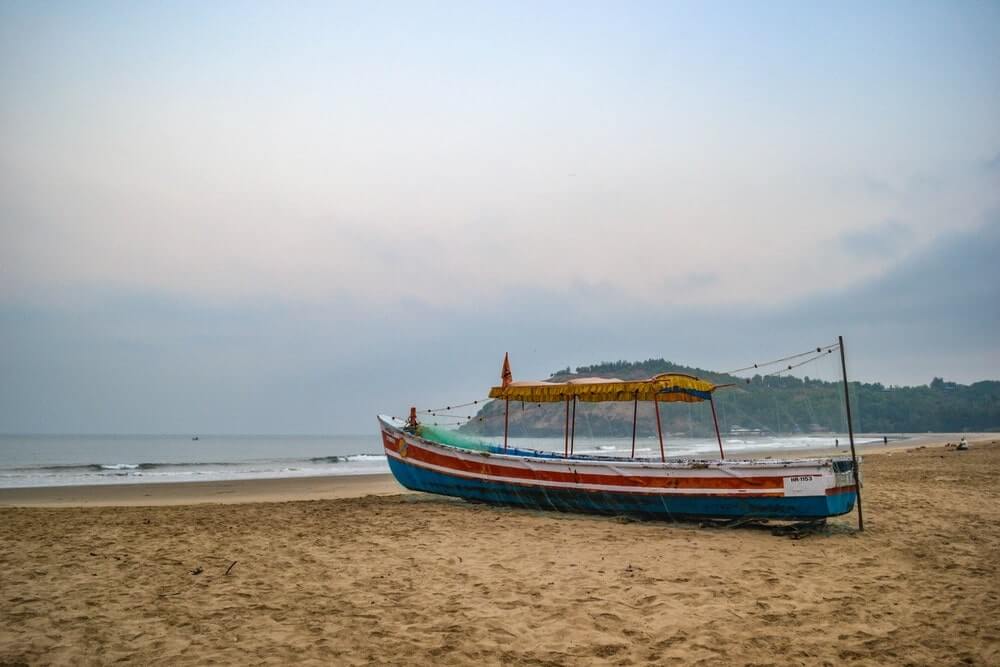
[[659, 428], [715, 419], [566, 432], [572, 429], [635, 413], [850, 434], [506, 417]]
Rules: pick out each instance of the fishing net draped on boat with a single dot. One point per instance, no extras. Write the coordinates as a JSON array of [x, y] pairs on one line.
[[451, 437]]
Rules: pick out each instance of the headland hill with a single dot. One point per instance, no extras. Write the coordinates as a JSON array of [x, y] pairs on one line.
[[756, 405]]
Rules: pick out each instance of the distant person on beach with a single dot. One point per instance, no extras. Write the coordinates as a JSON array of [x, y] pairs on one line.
[[885, 440], [836, 442], [962, 445]]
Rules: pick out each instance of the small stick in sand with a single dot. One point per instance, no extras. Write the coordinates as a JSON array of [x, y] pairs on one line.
[[231, 566]]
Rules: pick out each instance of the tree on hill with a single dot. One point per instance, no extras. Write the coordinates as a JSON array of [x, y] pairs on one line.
[[776, 404]]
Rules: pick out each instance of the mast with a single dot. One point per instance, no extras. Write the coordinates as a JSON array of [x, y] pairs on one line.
[[506, 377], [566, 432], [850, 434], [635, 413], [659, 428], [711, 401], [506, 418], [572, 430]]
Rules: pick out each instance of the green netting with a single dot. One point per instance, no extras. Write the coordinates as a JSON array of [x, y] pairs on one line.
[[454, 438]]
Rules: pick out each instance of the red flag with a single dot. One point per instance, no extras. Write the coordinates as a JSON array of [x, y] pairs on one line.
[[505, 376]]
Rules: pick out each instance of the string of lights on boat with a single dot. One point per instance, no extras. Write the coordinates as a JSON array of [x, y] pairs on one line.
[[807, 357]]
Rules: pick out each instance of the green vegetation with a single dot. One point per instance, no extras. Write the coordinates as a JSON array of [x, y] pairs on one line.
[[782, 404]]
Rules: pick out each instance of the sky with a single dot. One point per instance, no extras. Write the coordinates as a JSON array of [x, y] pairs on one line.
[[242, 217]]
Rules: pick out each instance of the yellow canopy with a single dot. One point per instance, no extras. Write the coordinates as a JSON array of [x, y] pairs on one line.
[[667, 387]]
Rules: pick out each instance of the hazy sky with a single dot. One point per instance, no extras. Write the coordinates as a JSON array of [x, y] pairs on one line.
[[286, 217]]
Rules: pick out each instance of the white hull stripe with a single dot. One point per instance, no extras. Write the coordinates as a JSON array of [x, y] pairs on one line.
[[637, 490]]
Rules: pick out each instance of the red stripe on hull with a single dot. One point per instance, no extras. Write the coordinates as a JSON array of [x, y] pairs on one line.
[[498, 470]]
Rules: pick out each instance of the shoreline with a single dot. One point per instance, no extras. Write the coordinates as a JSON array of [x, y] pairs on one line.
[[228, 492], [331, 487]]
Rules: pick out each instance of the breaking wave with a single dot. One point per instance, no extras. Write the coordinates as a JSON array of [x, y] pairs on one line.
[[131, 467]]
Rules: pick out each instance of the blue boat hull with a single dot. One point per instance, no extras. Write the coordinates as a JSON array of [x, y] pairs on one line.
[[660, 506]]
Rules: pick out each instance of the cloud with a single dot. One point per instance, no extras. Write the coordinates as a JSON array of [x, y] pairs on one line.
[[693, 281], [290, 237], [142, 362], [884, 240], [935, 313]]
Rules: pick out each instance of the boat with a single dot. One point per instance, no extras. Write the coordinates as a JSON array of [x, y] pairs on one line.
[[423, 458]]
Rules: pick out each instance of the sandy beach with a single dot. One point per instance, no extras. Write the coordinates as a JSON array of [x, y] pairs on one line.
[[358, 571]]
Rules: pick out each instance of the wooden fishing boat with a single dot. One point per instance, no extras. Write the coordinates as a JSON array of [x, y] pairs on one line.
[[801, 489]]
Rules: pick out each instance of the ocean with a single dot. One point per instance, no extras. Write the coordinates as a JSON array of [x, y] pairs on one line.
[[60, 460], [57, 460]]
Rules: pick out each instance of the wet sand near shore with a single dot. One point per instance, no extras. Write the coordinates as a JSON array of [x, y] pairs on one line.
[[192, 493], [417, 579]]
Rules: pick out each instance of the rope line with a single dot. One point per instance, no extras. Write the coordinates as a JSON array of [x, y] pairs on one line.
[[793, 366], [451, 407], [817, 350], [461, 420]]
